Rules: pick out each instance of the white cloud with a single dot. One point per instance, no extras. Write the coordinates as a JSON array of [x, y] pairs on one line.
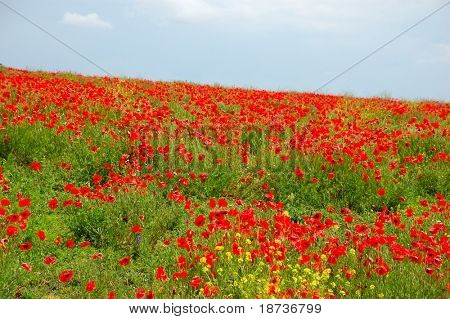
[[314, 14], [91, 20]]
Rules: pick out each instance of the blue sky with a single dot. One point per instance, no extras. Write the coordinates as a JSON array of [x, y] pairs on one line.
[[270, 44]]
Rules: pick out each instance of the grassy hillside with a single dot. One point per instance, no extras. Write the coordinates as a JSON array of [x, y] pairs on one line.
[[138, 189]]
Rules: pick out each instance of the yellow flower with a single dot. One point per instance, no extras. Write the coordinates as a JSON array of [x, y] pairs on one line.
[[372, 287], [203, 260]]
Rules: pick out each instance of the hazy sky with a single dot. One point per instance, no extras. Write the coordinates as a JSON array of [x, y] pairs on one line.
[[270, 44]]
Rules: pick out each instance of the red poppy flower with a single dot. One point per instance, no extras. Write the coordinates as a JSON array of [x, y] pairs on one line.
[[381, 192], [222, 202], [13, 218], [35, 166], [203, 177], [140, 293], [199, 221], [96, 179], [124, 261], [299, 172], [179, 275], [5, 202], [111, 295], [348, 218], [49, 260], [196, 282], [25, 214], [270, 196], [12, 231], [84, 244], [70, 243], [66, 276], [183, 243], [67, 203], [304, 259], [26, 266], [53, 203], [382, 271], [209, 291], [41, 235], [24, 202], [136, 229], [424, 203], [160, 274], [97, 256], [90, 286], [25, 246]]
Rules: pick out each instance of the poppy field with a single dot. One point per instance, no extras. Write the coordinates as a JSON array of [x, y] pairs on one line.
[[124, 188]]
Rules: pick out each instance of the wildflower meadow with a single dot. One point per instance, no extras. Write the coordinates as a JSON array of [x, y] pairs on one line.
[[125, 188]]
